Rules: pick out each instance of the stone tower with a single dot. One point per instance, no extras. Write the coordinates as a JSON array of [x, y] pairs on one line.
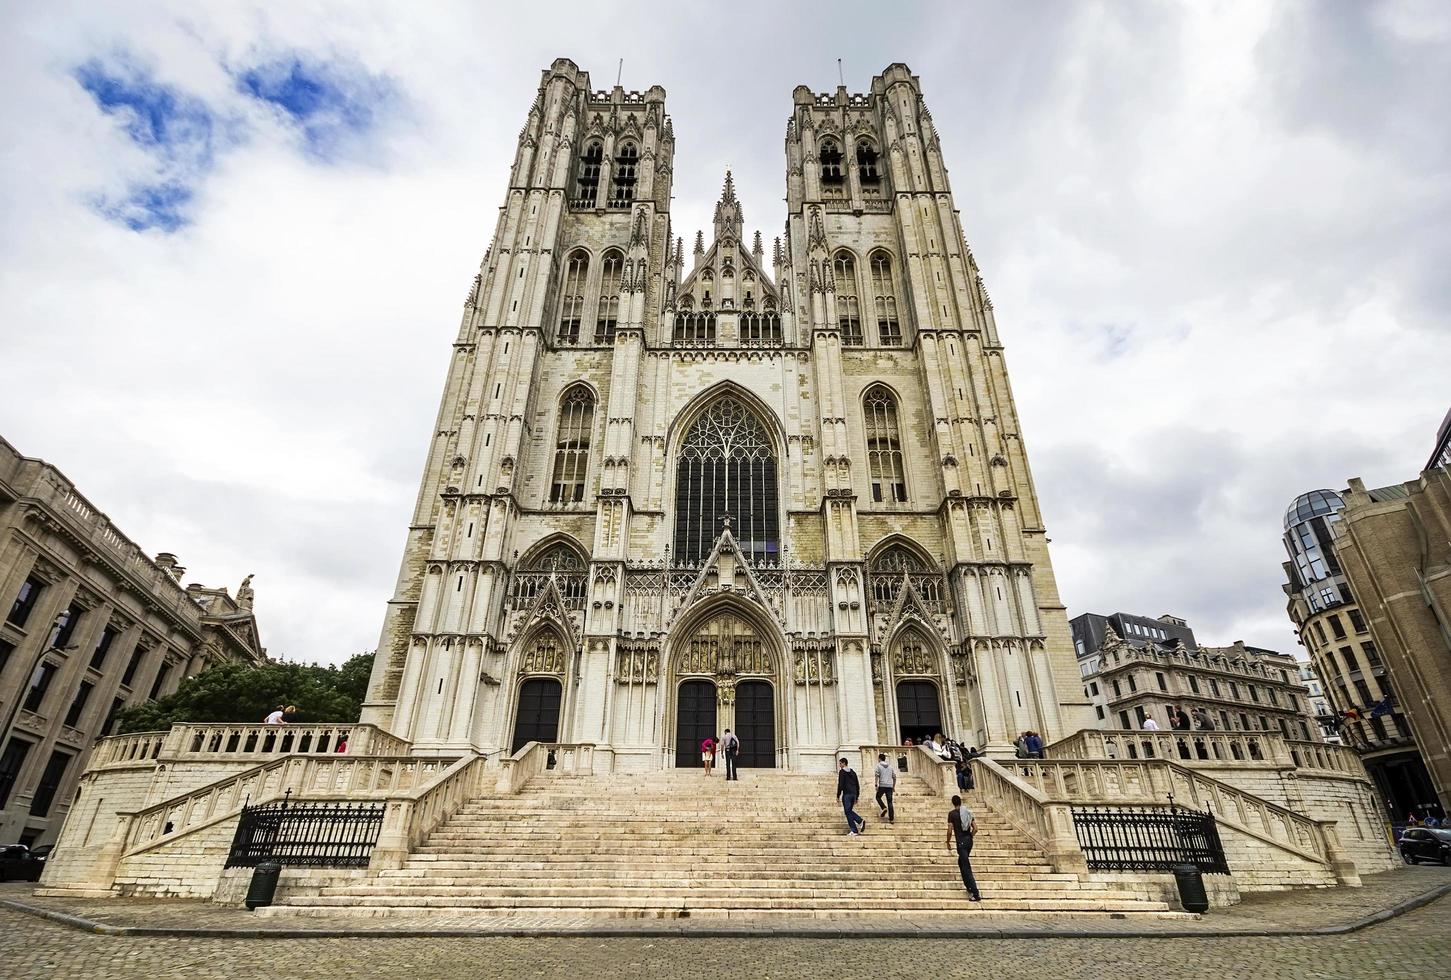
[[669, 495]]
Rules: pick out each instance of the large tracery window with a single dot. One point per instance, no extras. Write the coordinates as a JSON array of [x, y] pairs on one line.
[[889, 329], [571, 452], [695, 329], [887, 569], [571, 300], [884, 446], [848, 305], [622, 181], [608, 316], [760, 329], [727, 468], [587, 179]]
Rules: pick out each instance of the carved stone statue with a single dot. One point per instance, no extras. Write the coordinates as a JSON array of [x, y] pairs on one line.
[[245, 593]]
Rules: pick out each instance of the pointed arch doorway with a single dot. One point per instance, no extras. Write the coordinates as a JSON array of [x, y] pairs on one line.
[[726, 677], [694, 720]]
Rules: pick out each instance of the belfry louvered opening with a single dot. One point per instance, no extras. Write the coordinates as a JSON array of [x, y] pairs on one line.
[[727, 468]]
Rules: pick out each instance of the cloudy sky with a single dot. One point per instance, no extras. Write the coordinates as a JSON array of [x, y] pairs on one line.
[[235, 239]]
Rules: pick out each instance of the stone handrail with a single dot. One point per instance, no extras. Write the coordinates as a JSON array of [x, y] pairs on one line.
[[411, 817], [1327, 757], [328, 777], [1047, 823], [206, 741], [1187, 746], [939, 774], [1117, 781], [569, 758], [140, 749]]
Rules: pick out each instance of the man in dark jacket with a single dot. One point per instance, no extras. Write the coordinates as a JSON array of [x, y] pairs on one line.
[[848, 788]]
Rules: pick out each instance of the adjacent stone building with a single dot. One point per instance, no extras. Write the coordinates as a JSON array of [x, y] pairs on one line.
[[91, 624], [1157, 665], [1394, 544], [1336, 633], [777, 488]]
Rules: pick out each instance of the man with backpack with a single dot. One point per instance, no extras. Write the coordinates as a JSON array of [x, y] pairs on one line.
[[886, 777], [731, 746], [961, 829]]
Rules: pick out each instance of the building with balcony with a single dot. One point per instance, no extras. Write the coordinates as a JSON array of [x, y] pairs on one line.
[[1334, 631], [1158, 665], [91, 624]]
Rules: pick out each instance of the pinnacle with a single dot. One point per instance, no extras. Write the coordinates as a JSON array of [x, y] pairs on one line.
[[699, 242], [728, 193]]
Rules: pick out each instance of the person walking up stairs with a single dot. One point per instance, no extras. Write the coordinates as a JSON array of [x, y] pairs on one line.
[[848, 788], [886, 778]]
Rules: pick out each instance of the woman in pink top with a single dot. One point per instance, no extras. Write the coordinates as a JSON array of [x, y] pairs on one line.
[[707, 753]]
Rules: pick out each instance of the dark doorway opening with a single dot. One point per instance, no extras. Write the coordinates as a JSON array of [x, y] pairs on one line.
[[918, 710], [694, 720], [756, 724], [538, 717]]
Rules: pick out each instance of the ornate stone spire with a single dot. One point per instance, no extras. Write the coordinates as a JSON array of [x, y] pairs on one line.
[[756, 246], [699, 243], [728, 212]]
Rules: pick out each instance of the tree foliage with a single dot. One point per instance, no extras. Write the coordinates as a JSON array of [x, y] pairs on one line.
[[244, 693]]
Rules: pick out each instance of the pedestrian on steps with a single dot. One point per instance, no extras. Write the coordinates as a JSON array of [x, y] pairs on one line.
[[707, 753], [732, 748], [961, 829], [886, 776], [848, 788]]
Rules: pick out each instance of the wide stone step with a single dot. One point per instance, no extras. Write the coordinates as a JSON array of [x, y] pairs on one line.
[[592, 875], [694, 900], [683, 886]]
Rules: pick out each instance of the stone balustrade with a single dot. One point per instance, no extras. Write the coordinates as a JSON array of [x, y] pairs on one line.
[[914, 760], [1047, 823], [1196, 746], [119, 751], [410, 817], [243, 743], [1326, 757], [537, 758], [1127, 782]]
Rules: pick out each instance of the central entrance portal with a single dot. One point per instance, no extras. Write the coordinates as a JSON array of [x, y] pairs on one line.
[[695, 719], [756, 725], [538, 718], [918, 710]]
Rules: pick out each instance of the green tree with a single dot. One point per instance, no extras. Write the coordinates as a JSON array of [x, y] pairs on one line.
[[239, 692]]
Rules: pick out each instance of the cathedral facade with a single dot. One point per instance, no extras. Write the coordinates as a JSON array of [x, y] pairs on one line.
[[674, 490]]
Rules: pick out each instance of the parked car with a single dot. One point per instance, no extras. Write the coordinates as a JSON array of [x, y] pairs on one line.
[[1426, 844], [20, 863]]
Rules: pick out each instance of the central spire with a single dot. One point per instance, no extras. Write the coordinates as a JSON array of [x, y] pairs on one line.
[[728, 217]]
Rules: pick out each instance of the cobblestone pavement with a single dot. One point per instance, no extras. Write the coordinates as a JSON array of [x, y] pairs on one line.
[[1272, 911], [1415, 945]]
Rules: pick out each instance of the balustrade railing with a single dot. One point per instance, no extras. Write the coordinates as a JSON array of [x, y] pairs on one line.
[[116, 751], [1209, 747], [207, 741], [940, 775], [535, 758], [1046, 823], [1326, 757]]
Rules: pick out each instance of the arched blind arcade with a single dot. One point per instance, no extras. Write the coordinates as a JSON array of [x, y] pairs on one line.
[[727, 467]]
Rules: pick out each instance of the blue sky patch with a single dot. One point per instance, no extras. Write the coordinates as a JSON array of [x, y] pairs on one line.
[[334, 105], [178, 131]]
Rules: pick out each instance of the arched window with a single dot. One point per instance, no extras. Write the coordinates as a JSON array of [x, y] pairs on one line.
[[726, 468], [587, 179], [571, 447], [848, 305], [866, 163], [889, 330], [695, 329], [887, 569], [571, 300], [608, 314], [622, 181], [884, 447], [562, 562], [831, 174]]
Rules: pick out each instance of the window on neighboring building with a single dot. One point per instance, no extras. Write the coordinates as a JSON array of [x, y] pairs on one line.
[[11, 761], [1163, 684], [571, 446], [1357, 621], [1141, 714], [607, 314], [25, 600], [884, 447], [1372, 656], [571, 300], [1351, 664], [1123, 720], [1336, 627], [1244, 721], [848, 305], [50, 781], [64, 627], [109, 725], [1304, 731], [1254, 693], [1093, 687], [103, 647], [726, 466], [1274, 698], [1320, 632], [1117, 692], [884, 293], [1234, 690], [78, 704], [39, 684], [1224, 720], [1193, 683], [137, 655], [160, 680], [1367, 699], [1099, 709], [1133, 684], [6, 649], [1214, 687], [622, 181]]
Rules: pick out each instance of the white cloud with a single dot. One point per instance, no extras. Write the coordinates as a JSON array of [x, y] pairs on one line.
[[1215, 239]]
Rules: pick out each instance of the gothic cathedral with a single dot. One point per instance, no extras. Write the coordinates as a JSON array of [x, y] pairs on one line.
[[674, 492]]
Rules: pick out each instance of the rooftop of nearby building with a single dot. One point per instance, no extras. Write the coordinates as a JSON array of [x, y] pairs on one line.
[[1312, 504]]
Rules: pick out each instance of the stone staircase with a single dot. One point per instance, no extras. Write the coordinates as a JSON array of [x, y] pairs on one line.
[[678, 844]]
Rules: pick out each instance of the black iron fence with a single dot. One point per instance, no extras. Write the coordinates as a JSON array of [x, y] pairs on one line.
[[307, 834], [1148, 838]]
